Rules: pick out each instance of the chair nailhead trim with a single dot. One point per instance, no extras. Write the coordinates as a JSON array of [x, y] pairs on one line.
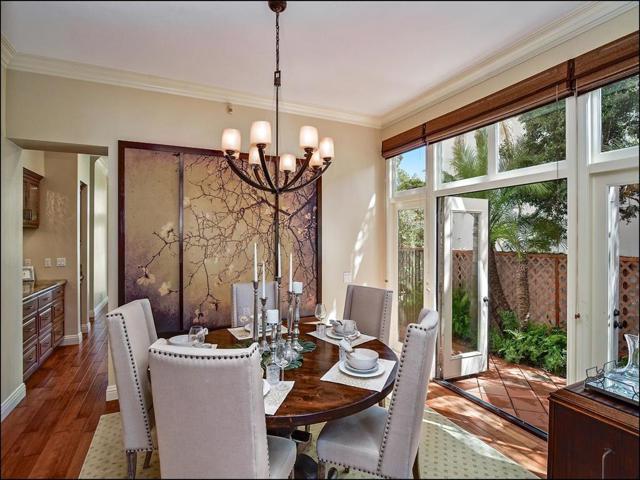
[[205, 357], [350, 466], [134, 369]]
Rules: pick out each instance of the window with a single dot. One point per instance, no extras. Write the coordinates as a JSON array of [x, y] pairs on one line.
[[619, 118], [409, 170], [532, 138], [464, 156]]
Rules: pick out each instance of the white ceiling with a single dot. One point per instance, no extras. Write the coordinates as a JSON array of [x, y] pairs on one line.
[[360, 57]]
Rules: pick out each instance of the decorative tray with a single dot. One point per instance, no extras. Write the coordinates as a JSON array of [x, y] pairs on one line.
[[609, 380]]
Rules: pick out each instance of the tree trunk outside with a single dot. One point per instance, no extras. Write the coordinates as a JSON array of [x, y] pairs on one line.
[[522, 289], [497, 300]]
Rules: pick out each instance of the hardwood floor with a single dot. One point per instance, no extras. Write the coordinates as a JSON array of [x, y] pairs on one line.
[[49, 433]]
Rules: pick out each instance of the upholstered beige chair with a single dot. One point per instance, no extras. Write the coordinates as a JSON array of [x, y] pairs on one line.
[[380, 442], [131, 331], [371, 309], [210, 416], [242, 297]]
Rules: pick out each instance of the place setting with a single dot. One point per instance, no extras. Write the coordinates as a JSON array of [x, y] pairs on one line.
[[337, 330]]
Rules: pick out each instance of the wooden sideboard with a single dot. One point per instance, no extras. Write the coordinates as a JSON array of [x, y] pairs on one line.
[[42, 322], [592, 435]]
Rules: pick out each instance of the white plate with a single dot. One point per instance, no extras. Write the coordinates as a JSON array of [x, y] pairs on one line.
[[180, 341], [331, 334], [355, 370], [265, 387], [351, 373]]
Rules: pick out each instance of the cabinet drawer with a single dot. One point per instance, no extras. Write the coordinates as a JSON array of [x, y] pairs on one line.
[[30, 360], [29, 330], [58, 292], [58, 331], [58, 309], [29, 307], [45, 299], [45, 344], [44, 319]]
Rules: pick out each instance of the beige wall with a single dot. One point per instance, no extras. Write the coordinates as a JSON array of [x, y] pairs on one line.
[[33, 160], [99, 254], [11, 261], [58, 231], [604, 33]]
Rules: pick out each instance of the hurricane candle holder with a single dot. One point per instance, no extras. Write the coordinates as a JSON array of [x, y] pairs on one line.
[[296, 323], [256, 311], [264, 345]]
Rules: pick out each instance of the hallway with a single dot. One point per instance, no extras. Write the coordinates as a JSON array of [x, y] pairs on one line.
[[49, 433]]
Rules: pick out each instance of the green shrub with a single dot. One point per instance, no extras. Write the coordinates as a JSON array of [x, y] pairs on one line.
[[461, 315], [535, 344]]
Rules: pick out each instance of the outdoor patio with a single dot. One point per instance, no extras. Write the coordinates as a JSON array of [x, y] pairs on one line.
[[519, 390]]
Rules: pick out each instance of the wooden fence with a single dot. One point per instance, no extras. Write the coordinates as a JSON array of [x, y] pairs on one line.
[[410, 287]]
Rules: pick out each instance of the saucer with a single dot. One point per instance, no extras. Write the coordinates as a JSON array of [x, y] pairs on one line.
[[331, 334], [379, 370]]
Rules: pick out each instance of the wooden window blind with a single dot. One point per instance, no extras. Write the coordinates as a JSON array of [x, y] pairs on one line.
[[606, 64]]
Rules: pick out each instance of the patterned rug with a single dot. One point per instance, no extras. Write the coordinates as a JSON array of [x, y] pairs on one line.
[[446, 451]]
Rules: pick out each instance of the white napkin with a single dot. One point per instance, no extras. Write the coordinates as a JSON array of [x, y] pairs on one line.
[[354, 343], [241, 334], [376, 383], [275, 397]]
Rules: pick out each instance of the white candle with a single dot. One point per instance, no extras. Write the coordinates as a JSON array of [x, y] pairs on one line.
[[326, 148], [297, 287], [255, 262], [272, 317], [308, 137], [279, 265], [230, 139], [291, 272], [264, 283], [260, 133]]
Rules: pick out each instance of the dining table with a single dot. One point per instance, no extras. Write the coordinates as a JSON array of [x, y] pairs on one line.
[[312, 400]]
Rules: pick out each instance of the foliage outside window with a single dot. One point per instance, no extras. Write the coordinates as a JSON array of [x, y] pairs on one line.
[[410, 170], [410, 267], [464, 156], [619, 118], [532, 138]]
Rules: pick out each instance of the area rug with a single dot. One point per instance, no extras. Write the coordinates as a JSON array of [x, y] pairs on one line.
[[446, 451]]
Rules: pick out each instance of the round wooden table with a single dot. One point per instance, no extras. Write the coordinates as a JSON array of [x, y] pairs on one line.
[[312, 400]]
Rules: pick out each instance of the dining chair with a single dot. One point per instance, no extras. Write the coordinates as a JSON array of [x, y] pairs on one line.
[[242, 297], [211, 401], [380, 442], [131, 331], [371, 309]]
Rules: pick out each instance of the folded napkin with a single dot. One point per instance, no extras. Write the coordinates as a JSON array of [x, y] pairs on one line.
[[354, 343], [242, 334], [376, 383], [275, 397]]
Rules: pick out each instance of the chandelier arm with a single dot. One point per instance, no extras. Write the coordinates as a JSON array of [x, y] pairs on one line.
[[243, 176], [256, 173], [308, 182], [265, 170], [303, 168]]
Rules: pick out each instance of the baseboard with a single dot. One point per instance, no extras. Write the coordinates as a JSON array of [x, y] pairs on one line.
[[75, 339], [12, 401], [112, 393], [97, 310], [85, 327]]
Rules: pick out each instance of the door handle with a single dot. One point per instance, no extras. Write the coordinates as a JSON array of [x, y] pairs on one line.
[[485, 299], [607, 452]]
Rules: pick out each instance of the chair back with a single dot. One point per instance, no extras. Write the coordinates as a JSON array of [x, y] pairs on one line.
[[209, 410], [404, 419], [129, 340], [242, 297], [148, 316], [371, 309]]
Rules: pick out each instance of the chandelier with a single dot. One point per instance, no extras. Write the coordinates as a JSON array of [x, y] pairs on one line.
[[288, 173]]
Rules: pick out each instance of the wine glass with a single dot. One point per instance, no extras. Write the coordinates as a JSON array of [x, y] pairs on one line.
[[321, 312], [281, 358], [196, 335], [245, 313]]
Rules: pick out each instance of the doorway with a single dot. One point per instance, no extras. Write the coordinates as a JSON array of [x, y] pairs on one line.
[[83, 260]]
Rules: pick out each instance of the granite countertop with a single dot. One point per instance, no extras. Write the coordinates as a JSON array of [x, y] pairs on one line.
[[29, 289]]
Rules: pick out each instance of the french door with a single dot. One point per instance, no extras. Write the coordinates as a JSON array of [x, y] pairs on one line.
[[464, 289]]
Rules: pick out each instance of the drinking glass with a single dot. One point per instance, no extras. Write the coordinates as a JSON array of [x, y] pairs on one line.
[[321, 312], [197, 334], [245, 315], [281, 358]]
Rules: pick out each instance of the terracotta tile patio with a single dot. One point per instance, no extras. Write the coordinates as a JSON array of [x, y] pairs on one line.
[[519, 390]]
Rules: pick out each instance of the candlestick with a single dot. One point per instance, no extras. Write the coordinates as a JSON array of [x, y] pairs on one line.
[[296, 323], [255, 311], [264, 346], [279, 270], [291, 272], [264, 283], [273, 318], [255, 262]]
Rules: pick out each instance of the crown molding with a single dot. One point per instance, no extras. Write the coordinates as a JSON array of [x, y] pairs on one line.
[[122, 78], [8, 52], [575, 23]]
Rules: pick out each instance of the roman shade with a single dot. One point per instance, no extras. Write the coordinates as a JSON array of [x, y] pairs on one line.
[[606, 64]]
